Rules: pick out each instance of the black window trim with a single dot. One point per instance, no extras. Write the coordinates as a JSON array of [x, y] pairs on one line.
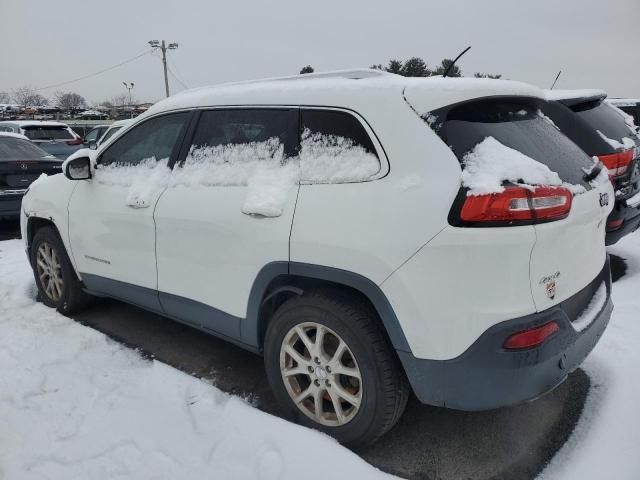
[[176, 146]]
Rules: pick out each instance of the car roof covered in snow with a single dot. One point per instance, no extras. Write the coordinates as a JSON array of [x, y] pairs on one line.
[[574, 97], [347, 89], [624, 102], [13, 135], [35, 123]]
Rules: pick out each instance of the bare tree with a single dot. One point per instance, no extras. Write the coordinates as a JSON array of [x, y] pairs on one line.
[[26, 96], [69, 101], [5, 97]]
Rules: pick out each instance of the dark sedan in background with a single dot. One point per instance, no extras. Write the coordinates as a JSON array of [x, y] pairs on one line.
[[21, 162]]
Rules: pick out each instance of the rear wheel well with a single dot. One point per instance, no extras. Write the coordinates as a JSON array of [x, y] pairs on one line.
[[284, 287]]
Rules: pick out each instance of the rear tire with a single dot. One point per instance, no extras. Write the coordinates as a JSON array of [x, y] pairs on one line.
[[356, 397], [58, 285]]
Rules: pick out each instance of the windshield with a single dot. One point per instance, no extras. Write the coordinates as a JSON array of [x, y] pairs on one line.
[[603, 118], [516, 125], [18, 149], [47, 133]]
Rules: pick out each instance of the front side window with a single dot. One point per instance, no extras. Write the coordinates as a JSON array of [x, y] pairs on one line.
[[335, 148], [154, 139]]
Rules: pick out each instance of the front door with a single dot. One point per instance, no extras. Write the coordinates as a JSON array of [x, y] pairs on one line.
[[111, 227]]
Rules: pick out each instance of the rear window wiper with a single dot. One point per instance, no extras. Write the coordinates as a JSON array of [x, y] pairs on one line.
[[593, 173]]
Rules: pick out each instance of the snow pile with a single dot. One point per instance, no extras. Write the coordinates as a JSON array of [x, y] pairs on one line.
[[491, 163], [76, 405], [605, 442], [626, 143], [261, 166], [334, 159]]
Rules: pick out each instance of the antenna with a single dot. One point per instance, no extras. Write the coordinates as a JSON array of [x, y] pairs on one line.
[[554, 82], [454, 62]]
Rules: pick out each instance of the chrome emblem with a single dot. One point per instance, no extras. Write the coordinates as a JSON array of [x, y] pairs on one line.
[[23, 166], [604, 199]]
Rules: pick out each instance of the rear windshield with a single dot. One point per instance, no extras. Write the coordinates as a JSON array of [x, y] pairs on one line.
[[516, 125], [17, 149], [48, 133], [603, 118]]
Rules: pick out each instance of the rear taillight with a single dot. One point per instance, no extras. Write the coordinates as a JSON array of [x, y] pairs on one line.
[[532, 337], [615, 224], [519, 205], [75, 141], [617, 163]]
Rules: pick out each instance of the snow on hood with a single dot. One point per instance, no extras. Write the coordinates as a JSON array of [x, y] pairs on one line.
[[491, 163]]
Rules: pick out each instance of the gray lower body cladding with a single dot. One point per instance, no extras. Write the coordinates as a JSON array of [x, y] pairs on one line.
[[487, 376]]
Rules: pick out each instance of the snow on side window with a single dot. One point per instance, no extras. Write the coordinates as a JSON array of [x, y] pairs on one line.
[[334, 159], [261, 166]]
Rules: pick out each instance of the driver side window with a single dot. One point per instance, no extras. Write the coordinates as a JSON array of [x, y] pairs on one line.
[[155, 138]]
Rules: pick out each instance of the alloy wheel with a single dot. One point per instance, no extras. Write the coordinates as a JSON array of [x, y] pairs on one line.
[[321, 374], [49, 271]]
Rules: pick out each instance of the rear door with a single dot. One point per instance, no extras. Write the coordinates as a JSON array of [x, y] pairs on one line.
[[221, 222]]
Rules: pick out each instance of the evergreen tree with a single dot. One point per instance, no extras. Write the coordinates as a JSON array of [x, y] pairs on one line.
[[307, 69], [415, 67]]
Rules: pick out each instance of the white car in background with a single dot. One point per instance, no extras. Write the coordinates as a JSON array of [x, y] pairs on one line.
[[55, 138], [367, 233]]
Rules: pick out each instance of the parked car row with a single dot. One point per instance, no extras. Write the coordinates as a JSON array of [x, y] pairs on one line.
[[370, 235]]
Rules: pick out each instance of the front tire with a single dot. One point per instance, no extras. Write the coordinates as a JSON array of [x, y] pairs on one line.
[[332, 368], [58, 285]]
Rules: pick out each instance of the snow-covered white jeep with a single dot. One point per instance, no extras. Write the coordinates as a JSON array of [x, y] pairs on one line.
[[367, 233]]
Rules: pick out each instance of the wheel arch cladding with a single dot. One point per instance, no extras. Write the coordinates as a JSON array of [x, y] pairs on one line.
[[279, 281], [36, 223]]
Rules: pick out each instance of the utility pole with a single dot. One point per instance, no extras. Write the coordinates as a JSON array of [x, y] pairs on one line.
[[129, 87], [163, 47]]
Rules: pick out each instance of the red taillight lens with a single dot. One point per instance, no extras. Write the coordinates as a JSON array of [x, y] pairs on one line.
[[517, 204], [615, 224], [532, 337], [617, 163], [75, 141]]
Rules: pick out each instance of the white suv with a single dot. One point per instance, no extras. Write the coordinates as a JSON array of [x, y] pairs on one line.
[[367, 233]]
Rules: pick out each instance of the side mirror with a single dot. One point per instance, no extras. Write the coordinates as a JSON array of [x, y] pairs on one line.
[[93, 145], [78, 169]]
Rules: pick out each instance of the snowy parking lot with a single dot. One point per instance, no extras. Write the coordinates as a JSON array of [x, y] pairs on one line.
[[74, 403]]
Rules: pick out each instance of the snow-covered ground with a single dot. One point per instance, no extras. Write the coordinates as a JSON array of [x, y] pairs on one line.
[[76, 405]]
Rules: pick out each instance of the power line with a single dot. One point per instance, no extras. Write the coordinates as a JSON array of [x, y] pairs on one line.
[[176, 76], [95, 73]]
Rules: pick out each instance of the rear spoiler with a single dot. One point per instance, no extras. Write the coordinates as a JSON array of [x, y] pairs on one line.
[[570, 98]]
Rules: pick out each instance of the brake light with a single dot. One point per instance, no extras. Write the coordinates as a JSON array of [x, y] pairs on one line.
[[617, 163], [532, 337], [75, 141], [518, 204]]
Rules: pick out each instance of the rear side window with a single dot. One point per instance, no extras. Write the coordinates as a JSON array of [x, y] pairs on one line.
[[634, 112], [153, 139], [17, 149], [516, 125], [603, 118], [48, 133], [335, 148]]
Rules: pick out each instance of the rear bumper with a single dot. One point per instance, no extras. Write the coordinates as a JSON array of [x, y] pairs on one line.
[[631, 220], [486, 376]]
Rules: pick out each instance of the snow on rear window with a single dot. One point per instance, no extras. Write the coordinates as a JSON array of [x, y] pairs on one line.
[[491, 163], [626, 143], [261, 166]]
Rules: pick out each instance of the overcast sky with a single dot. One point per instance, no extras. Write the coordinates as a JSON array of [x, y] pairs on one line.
[[596, 43]]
